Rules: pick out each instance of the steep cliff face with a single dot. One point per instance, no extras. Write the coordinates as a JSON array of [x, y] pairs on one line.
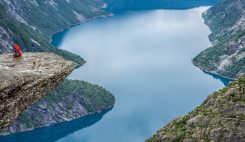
[[220, 118], [23, 81], [227, 55], [72, 99], [55, 14], [31, 23]]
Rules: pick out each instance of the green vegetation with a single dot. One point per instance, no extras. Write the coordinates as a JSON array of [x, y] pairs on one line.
[[71, 100], [23, 35], [209, 58], [31, 25], [44, 20], [219, 118], [226, 56], [93, 97], [53, 21]]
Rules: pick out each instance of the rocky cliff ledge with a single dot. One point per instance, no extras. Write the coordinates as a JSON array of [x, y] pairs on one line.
[[221, 118], [23, 81], [71, 100]]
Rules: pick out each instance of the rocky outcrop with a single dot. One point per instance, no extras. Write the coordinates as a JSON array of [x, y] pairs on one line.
[[220, 118], [23, 81], [227, 55], [30, 24], [71, 100]]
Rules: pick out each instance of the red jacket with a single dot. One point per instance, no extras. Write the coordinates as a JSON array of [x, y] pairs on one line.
[[18, 50]]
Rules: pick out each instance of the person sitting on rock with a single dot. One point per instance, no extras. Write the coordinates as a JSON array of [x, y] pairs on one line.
[[17, 51]]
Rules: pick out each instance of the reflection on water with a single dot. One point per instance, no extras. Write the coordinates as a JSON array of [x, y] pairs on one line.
[[54, 132]]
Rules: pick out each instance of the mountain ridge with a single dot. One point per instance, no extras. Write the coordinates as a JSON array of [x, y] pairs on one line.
[[227, 55]]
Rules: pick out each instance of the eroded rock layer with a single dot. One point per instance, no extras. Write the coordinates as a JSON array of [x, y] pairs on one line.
[[25, 80]]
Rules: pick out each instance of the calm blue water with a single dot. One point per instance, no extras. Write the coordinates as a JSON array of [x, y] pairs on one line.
[[122, 5], [144, 59]]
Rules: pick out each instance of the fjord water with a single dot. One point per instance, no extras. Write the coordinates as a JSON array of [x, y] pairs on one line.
[[144, 59], [122, 5]]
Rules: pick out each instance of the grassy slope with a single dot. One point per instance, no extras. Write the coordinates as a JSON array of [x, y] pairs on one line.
[[221, 117]]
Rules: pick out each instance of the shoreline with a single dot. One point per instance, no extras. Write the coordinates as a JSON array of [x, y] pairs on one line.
[[212, 43], [213, 73], [76, 24], [48, 125], [110, 107]]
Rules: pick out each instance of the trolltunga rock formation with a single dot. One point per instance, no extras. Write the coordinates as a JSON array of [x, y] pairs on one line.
[[25, 80]]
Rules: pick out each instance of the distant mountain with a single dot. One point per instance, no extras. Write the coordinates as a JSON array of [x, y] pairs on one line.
[[227, 55]]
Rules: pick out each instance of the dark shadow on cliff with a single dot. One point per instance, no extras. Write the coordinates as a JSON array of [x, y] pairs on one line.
[[56, 131], [56, 39]]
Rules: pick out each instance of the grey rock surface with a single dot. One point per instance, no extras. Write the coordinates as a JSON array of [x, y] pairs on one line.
[[70, 100], [25, 80]]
